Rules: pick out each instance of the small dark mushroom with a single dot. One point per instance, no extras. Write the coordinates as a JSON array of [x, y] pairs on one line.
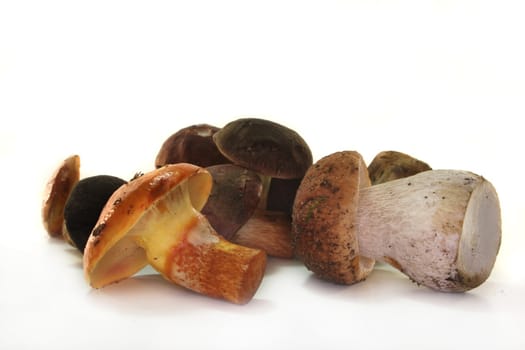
[[84, 205]]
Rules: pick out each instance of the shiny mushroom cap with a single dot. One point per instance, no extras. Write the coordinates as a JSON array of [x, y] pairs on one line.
[[264, 146], [155, 219], [324, 229]]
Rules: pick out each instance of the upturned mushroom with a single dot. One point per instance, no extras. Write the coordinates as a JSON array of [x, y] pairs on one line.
[[155, 219], [232, 209], [57, 192], [442, 228], [393, 165]]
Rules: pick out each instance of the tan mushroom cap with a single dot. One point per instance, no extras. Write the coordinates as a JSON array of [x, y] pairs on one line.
[[155, 219], [57, 192], [324, 229]]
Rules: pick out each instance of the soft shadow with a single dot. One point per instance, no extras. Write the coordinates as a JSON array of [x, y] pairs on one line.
[[386, 284], [150, 294], [274, 265]]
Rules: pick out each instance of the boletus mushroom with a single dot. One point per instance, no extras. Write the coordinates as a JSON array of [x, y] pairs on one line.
[[57, 192], [442, 228], [155, 219], [272, 150], [232, 209], [193, 144], [393, 165]]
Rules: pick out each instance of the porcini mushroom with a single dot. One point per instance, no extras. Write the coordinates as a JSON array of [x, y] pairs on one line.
[[393, 165], [442, 228], [232, 209], [192, 144], [155, 219], [274, 151], [271, 149], [84, 205], [58, 190]]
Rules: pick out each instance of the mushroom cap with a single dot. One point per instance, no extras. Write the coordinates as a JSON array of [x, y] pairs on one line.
[[110, 254], [235, 194], [57, 192], [264, 146], [393, 165], [84, 205], [324, 228], [192, 144]]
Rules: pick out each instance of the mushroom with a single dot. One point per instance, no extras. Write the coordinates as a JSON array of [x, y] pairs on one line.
[[57, 192], [442, 228], [392, 165], [84, 205], [192, 144], [281, 157], [232, 210], [155, 219], [269, 148]]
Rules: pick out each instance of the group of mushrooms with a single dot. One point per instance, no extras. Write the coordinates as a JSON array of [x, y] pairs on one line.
[[221, 200]]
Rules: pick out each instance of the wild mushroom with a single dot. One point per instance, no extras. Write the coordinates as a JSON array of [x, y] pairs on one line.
[[442, 228], [269, 148], [57, 192], [392, 165], [84, 205], [232, 209], [281, 157], [192, 144], [155, 219]]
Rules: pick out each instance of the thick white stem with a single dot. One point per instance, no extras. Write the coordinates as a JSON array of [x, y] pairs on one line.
[[442, 228]]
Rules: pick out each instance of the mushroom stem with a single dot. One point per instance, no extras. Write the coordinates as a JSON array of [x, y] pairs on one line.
[[181, 244], [266, 182], [442, 228], [269, 231]]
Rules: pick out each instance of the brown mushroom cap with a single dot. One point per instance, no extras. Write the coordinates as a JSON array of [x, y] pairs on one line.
[[393, 165], [58, 190], [193, 144], [235, 194], [266, 147], [324, 230]]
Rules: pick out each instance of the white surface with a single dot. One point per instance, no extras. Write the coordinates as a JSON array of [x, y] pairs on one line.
[[441, 80]]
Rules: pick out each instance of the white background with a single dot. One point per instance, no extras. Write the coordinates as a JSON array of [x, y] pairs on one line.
[[110, 80]]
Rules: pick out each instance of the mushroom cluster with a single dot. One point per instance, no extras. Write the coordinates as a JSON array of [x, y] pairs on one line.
[[220, 200]]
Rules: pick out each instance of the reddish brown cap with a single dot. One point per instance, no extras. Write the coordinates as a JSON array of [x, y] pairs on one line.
[[324, 228], [193, 144]]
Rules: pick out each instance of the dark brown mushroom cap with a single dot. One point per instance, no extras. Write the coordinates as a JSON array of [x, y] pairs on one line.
[[324, 228], [234, 196], [193, 144], [264, 146], [393, 165]]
